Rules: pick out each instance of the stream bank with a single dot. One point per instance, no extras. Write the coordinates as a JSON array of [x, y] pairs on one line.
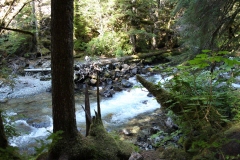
[[34, 92]]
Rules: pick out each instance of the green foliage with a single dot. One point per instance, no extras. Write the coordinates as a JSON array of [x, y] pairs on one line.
[[17, 44], [232, 157], [25, 18], [79, 45], [209, 24], [5, 79], [8, 122], [95, 21], [45, 144], [167, 137], [206, 97], [9, 153], [111, 44], [14, 42]]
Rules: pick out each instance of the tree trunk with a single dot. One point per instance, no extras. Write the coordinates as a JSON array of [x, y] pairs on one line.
[[87, 111], [163, 97], [63, 102], [35, 28], [3, 139]]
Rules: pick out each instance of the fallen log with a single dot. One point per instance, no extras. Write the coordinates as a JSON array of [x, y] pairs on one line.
[[140, 56], [37, 70], [163, 97]]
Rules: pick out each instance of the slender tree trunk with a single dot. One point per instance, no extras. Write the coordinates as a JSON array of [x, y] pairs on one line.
[[133, 40], [63, 102], [3, 139], [35, 28], [87, 111]]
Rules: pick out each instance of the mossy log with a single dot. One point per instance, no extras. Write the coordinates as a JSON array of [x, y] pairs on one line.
[[163, 97], [138, 57], [165, 53]]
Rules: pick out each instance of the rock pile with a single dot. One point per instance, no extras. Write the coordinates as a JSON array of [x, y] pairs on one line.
[[113, 77]]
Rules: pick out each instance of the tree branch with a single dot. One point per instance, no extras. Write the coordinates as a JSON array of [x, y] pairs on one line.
[[17, 30], [17, 13]]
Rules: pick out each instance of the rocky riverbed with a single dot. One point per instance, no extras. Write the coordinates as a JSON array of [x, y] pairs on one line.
[[148, 131], [113, 77]]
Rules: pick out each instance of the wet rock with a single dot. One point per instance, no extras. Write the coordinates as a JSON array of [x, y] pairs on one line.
[[144, 102], [22, 127], [39, 122], [45, 78], [3, 100], [49, 89], [117, 88], [169, 123], [107, 91], [149, 95], [109, 81], [134, 71], [126, 132], [125, 83], [93, 81], [135, 156], [135, 129], [154, 129]]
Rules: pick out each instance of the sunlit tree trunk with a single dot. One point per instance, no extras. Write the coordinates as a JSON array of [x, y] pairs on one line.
[[133, 40], [35, 28], [100, 17], [3, 139], [133, 37], [63, 102]]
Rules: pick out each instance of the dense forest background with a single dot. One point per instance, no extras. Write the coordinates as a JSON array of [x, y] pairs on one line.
[[117, 28], [200, 98]]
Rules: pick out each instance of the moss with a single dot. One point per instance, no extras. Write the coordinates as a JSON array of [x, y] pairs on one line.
[[224, 145], [99, 145], [44, 51], [174, 154], [163, 97], [45, 42], [9, 153]]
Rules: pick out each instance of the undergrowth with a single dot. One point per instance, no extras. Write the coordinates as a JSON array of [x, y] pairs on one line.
[[209, 102]]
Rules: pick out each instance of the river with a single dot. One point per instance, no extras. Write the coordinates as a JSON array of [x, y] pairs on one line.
[[32, 115]]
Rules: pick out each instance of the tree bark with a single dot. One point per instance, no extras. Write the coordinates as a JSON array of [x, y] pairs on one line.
[[164, 98], [35, 28], [3, 139], [87, 111], [63, 102]]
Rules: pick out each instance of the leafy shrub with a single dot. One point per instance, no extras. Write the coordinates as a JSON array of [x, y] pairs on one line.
[[143, 38], [17, 44], [9, 128], [204, 90], [79, 45], [45, 144], [110, 44]]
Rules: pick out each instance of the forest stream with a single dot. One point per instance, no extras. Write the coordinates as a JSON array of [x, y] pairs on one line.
[[32, 115]]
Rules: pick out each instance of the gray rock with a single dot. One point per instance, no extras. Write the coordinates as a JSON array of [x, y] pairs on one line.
[[126, 83], [135, 156]]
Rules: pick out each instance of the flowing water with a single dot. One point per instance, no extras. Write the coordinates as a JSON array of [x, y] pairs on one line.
[[33, 115]]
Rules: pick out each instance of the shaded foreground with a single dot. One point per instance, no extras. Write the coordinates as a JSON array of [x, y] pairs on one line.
[[98, 145]]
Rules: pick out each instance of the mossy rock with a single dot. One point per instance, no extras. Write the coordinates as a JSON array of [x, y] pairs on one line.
[[174, 154], [228, 146], [99, 145]]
